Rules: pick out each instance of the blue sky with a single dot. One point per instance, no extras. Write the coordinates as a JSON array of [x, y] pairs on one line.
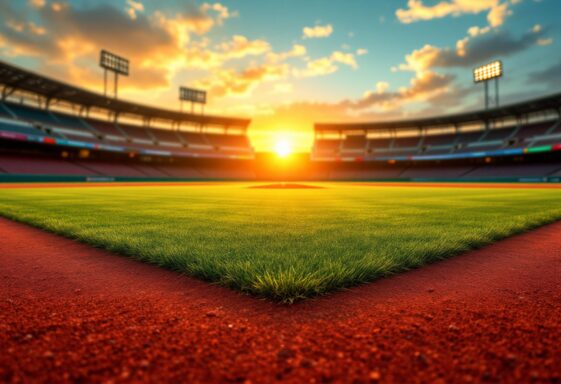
[[289, 63]]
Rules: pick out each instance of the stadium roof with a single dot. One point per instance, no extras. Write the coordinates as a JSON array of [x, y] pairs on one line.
[[551, 102], [14, 78]]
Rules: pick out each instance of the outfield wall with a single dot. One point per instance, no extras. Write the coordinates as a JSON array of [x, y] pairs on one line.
[[88, 179]]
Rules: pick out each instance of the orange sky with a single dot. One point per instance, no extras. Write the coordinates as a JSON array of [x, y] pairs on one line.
[[290, 63]]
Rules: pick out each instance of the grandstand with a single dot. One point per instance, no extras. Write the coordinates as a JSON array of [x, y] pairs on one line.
[[516, 142], [49, 128]]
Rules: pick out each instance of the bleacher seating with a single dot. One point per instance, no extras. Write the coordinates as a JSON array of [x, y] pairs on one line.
[[19, 127], [526, 136], [193, 138], [30, 114], [23, 165], [136, 133], [187, 172], [63, 126], [43, 165], [498, 134], [465, 138], [165, 136], [327, 146], [4, 112], [436, 140], [111, 169], [380, 143], [406, 142], [72, 122], [354, 143], [228, 141], [514, 170]]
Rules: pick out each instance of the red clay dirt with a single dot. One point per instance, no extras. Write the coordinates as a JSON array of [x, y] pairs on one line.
[[72, 313]]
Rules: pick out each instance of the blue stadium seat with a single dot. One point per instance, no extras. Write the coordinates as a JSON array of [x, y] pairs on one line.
[[32, 114], [19, 128]]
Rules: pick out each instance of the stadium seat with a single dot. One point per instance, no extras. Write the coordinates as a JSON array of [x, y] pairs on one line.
[[406, 142], [136, 133], [327, 146], [32, 114], [166, 136], [354, 143], [228, 141], [108, 130], [194, 138], [19, 127]]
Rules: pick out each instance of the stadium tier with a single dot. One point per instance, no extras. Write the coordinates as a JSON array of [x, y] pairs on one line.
[[43, 112], [49, 129], [520, 140], [519, 129]]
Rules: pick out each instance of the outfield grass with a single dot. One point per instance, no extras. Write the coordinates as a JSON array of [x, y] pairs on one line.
[[284, 244]]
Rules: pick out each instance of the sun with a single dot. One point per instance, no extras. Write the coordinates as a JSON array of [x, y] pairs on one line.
[[283, 148]]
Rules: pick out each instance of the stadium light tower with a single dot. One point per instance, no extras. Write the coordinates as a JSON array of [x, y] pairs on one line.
[[486, 73], [194, 96], [113, 63]]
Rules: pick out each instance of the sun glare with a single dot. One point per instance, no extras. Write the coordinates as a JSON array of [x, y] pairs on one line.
[[283, 148]]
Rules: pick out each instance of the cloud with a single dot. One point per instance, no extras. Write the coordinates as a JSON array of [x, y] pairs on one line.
[[319, 31], [544, 42], [297, 50], [550, 76], [424, 87], [161, 45], [475, 49], [283, 88], [344, 58], [240, 46], [498, 14], [319, 67], [326, 65], [133, 8], [361, 51], [158, 44], [416, 10], [37, 3], [228, 82]]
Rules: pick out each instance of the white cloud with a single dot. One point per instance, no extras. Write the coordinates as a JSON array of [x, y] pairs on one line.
[[133, 8], [544, 42], [319, 31], [416, 10]]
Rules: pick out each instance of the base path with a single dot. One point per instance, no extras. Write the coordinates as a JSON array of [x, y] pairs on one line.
[[69, 312]]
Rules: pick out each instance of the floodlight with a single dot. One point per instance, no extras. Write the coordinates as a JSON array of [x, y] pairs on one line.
[[193, 95], [114, 63], [487, 72]]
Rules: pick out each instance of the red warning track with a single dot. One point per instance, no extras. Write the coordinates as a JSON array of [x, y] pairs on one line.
[[69, 312]]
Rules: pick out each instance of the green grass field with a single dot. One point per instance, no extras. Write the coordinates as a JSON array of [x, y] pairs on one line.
[[284, 244]]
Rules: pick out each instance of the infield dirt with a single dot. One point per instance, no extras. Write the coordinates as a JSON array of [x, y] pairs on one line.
[[70, 312]]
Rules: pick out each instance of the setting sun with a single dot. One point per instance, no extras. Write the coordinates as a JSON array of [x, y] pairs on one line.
[[283, 148]]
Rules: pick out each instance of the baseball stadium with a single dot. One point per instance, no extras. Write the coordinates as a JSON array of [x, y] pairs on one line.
[[216, 192]]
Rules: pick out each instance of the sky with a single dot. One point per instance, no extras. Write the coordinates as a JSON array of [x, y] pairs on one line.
[[287, 64]]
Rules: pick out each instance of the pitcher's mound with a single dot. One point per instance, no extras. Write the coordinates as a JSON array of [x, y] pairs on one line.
[[286, 186]]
